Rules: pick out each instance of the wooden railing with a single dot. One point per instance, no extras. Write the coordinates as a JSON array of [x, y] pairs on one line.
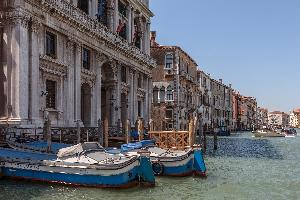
[[169, 139]]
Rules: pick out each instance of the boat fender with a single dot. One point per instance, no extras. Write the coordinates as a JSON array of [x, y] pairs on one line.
[[157, 168]]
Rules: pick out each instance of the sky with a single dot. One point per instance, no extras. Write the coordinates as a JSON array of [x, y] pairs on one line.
[[252, 44]]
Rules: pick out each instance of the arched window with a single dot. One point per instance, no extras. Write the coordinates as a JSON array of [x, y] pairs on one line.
[[162, 94], [169, 61], [170, 94], [155, 94]]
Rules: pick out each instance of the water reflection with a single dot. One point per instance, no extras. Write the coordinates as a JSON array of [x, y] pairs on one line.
[[245, 147]]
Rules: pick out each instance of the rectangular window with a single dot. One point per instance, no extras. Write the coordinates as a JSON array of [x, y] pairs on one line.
[[139, 81], [86, 58], [83, 5], [169, 61], [123, 74], [122, 9], [169, 114], [51, 94], [50, 44]]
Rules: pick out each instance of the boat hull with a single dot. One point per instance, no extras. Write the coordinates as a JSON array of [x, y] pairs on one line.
[[192, 164], [121, 178], [46, 168], [258, 134]]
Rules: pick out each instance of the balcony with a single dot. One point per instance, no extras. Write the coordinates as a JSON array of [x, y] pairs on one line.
[[83, 22]]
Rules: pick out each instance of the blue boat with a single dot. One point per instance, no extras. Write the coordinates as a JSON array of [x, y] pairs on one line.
[[85, 164], [171, 162]]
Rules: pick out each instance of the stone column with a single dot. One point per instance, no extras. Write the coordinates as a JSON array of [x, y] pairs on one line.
[[150, 93], [130, 96], [19, 70], [129, 34], [5, 72], [70, 86], [146, 110], [100, 60], [118, 105], [116, 15], [77, 83], [110, 14], [147, 51], [135, 99], [34, 74]]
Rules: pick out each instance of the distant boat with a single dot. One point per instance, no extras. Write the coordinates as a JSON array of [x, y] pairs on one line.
[[267, 133], [289, 132], [86, 164]]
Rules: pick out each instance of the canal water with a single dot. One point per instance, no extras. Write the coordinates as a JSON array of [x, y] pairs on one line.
[[243, 168]]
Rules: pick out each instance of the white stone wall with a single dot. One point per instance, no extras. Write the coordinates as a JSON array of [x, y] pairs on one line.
[[26, 67]]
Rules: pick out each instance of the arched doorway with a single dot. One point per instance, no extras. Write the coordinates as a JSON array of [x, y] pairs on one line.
[[86, 104]]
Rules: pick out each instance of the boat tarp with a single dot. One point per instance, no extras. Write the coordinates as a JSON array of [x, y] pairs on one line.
[[78, 148], [136, 145]]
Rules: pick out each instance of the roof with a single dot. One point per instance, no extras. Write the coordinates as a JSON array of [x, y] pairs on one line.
[[175, 48]]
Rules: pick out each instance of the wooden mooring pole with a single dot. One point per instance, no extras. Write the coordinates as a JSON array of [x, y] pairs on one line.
[[127, 131], [105, 127], [100, 133], [78, 132], [215, 140]]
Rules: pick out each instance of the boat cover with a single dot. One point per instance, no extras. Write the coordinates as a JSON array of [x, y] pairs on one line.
[[137, 145], [79, 148]]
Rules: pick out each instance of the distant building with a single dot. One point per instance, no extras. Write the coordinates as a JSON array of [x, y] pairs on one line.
[[278, 119], [294, 118], [262, 117], [221, 104], [205, 104], [175, 87]]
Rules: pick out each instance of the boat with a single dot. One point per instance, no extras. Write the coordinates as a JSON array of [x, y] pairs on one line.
[[289, 132], [267, 133], [85, 164], [170, 162]]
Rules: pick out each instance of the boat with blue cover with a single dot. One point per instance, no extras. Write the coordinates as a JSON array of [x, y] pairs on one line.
[[86, 164], [172, 161]]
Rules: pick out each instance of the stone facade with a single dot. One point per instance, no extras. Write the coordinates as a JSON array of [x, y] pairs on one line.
[[205, 103], [262, 117], [175, 88], [221, 104], [278, 119], [294, 118], [75, 60]]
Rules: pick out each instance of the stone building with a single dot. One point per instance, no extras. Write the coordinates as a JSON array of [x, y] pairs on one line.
[[262, 117], [248, 113], [205, 104], [175, 88], [294, 118], [75, 60], [221, 104], [278, 119]]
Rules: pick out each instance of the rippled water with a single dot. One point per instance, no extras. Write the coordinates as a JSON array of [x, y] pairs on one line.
[[242, 168]]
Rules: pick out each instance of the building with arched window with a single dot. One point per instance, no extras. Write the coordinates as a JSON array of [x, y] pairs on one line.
[[175, 87], [75, 60]]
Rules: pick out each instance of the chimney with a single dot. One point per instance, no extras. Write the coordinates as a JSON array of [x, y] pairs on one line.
[[221, 80], [153, 39]]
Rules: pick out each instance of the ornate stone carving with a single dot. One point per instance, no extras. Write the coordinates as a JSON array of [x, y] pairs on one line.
[[88, 77], [141, 93], [124, 88], [73, 16], [15, 17], [52, 66]]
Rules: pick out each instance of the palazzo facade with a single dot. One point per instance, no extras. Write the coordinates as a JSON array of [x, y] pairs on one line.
[[75, 61]]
